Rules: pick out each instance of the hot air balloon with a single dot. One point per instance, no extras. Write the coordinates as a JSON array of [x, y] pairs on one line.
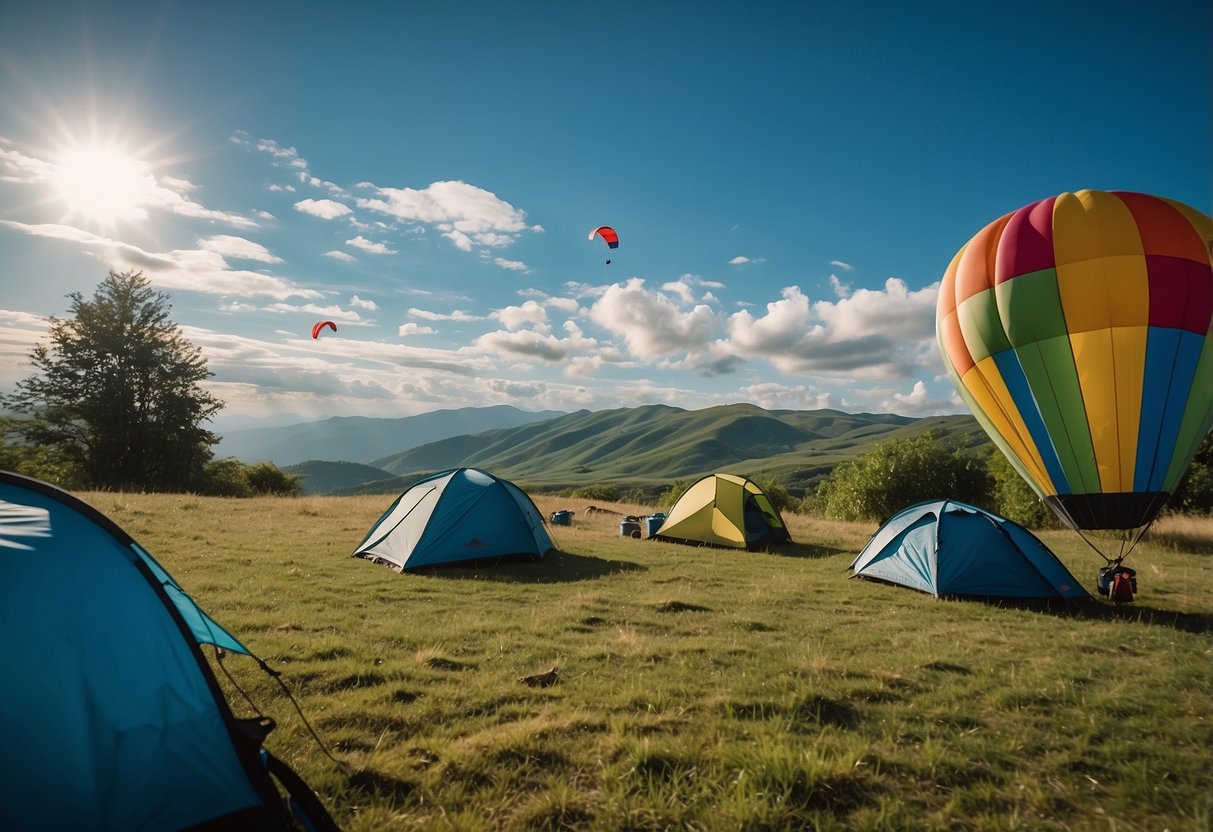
[[608, 236], [1077, 331], [319, 325]]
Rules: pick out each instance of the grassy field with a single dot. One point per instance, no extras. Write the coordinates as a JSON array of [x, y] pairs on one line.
[[702, 688]]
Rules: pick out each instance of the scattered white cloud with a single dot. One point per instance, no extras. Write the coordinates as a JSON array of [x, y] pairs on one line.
[[238, 248], [333, 313], [359, 303], [776, 396], [918, 402], [415, 329], [457, 315], [511, 265], [196, 270], [276, 188], [19, 169], [325, 209], [465, 214], [842, 290], [363, 244], [565, 305], [344, 257], [530, 343], [741, 260], [838, 264]]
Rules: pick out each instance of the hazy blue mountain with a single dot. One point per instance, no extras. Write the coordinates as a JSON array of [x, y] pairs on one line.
[[362, 439]]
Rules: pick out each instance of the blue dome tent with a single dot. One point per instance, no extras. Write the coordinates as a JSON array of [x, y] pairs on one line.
[[945, 547], [456, 516], [111, 715]]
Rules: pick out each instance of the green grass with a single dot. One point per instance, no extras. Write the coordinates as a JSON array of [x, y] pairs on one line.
[[701, 688]]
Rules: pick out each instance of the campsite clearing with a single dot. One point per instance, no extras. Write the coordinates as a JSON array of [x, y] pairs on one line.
[[701, 688]]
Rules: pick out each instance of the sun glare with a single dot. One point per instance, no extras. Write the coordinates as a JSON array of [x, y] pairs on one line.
[[104, 184]]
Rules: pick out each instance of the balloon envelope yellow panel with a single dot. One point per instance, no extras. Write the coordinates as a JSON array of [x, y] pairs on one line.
[[1076, 329]]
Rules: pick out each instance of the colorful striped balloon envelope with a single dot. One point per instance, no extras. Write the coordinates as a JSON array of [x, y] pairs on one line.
[[1076, 330]]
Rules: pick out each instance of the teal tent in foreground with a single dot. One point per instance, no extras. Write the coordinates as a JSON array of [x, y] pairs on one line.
[[456, 516], [946, 547], [111, 716]]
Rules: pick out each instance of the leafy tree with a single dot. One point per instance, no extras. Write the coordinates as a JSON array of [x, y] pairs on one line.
[[116, 391], [229, 477], [1014, 499], [898, 473], [1194, 494], [780, 498]]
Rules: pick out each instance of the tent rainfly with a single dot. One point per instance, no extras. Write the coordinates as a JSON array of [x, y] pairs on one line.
[[946, 547], [460, 515], [111, 714], [724, 510]]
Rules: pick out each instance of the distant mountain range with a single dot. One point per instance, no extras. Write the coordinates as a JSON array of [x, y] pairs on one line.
[[362, 439], [643, 447]]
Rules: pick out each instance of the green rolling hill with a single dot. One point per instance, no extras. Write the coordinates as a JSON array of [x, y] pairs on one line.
[[652, 446]]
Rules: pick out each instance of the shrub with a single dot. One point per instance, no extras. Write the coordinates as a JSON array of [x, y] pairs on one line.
[[1014, 499], [268, 478], [899, 473], [666, 499], [608, 493]]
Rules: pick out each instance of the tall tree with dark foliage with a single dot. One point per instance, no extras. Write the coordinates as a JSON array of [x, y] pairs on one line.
[[116, 391]]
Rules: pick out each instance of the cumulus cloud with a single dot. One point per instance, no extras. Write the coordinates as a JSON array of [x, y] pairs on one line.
[[325, 209], [529, 343], [918, 402], [238, 248], [741, 260], [196, 270], [370, 247], [871, 334], [344, 257], [515, 317], [359, 303], [775, 396], [684, 287], [651, 324], [465, 214]]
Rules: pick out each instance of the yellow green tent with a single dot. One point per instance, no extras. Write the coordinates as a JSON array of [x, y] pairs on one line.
[[724, 510]]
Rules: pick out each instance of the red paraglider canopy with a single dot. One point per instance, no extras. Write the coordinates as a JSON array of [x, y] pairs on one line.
[[319, 325], [607, 234]]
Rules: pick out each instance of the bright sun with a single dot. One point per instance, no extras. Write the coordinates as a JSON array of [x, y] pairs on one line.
[[104, 184]]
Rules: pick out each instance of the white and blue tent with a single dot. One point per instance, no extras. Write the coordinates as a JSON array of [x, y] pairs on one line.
[[111, 716], [460, 515], [946, 547]]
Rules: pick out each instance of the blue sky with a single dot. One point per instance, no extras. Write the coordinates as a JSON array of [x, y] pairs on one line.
[[789, 182]]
